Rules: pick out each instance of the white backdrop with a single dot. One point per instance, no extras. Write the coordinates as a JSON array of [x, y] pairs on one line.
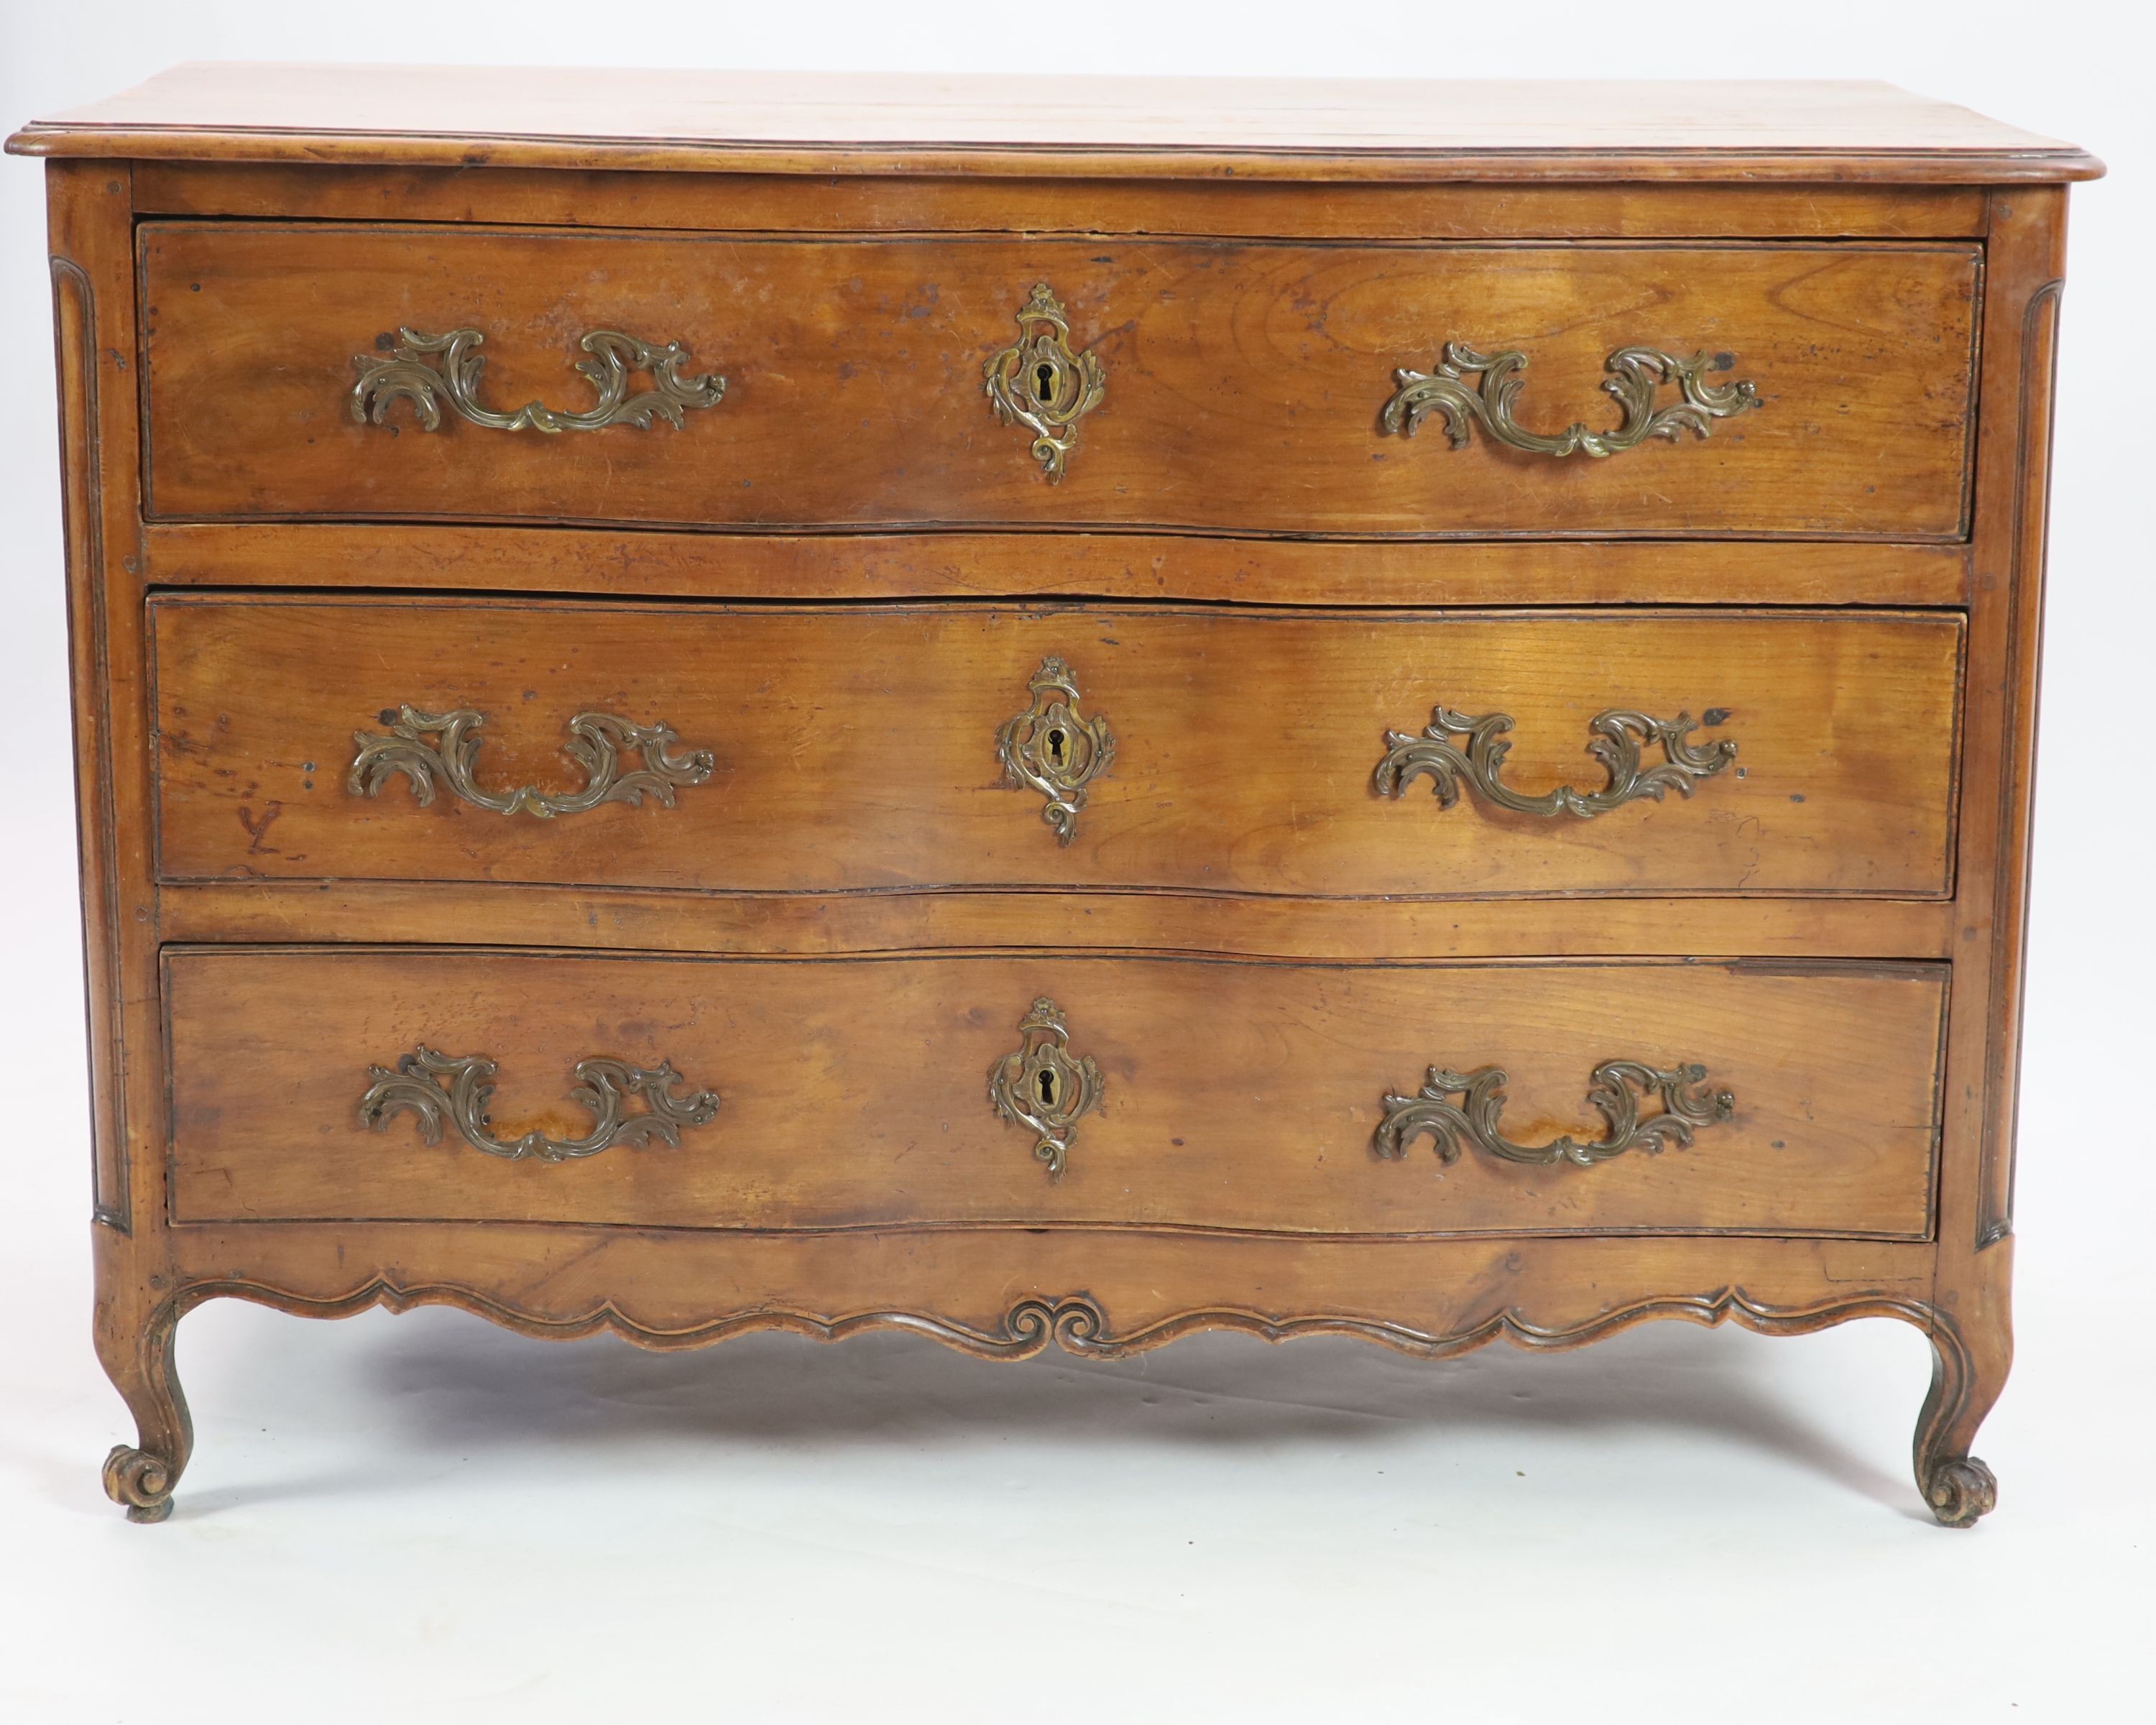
[[425, 1518]]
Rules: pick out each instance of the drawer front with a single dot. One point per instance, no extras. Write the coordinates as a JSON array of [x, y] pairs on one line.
[[1049, 1090], [1255, 388], [848, 750]]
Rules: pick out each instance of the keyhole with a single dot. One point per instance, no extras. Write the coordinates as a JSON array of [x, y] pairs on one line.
[[1057, 748], [1044, 383], [1048, 1086]]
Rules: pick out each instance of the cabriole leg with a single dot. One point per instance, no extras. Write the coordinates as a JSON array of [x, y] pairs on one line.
[[1969, 1370], [136, 1345]]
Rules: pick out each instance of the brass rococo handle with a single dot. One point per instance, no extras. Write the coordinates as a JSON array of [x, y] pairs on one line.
[[1043, 1087], [1618, 739], [429, 370], [1636, 375], [1616, 1088], [1054, 750], [1041, 384], [603, 1084], [596, 742]]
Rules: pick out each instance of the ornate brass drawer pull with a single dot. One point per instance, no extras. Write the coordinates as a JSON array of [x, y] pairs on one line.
[[602, 1086], [1051, 749], [1619, 735], [596, 742], [1615, 1089], [1041, 383], [1042, 1088], [1635, 374], [425, 370]]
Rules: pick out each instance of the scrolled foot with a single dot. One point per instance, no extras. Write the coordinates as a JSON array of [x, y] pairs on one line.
[[1959, 1490], [1969, 1362], [140, 1482], [135, 1346]]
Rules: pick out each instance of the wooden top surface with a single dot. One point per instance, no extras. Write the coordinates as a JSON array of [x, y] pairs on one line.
[[1157, 127]]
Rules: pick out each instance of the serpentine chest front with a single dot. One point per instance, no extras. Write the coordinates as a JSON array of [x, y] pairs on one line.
[[1242, 715]]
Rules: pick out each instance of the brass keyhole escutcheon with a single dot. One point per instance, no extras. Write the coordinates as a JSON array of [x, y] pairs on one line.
[[1044, 1087], [1053, 749], [1043, 385]]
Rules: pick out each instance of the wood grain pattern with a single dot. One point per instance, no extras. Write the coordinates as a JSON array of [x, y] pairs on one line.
[[826, 924], [1823, 1012], [1116, 566], [665, 1289], [1243, 382], [91, 236], [856, 750], [749, 203], [1133, 127], [1427, 1299], [1973, 1276], [79, 381], [1238, 1096]]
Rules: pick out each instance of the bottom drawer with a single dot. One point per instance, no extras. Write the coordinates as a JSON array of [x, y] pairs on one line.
[[1051, 1089]]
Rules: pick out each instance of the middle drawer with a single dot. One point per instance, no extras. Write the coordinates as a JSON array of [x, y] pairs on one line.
[[848, 749]]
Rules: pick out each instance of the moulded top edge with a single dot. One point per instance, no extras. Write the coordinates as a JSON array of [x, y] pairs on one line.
[[1176, 128]]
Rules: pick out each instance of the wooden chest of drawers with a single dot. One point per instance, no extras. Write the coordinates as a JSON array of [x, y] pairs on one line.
[[1200, 706]]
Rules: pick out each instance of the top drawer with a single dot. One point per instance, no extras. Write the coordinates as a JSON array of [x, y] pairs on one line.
[[1251, 387]]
